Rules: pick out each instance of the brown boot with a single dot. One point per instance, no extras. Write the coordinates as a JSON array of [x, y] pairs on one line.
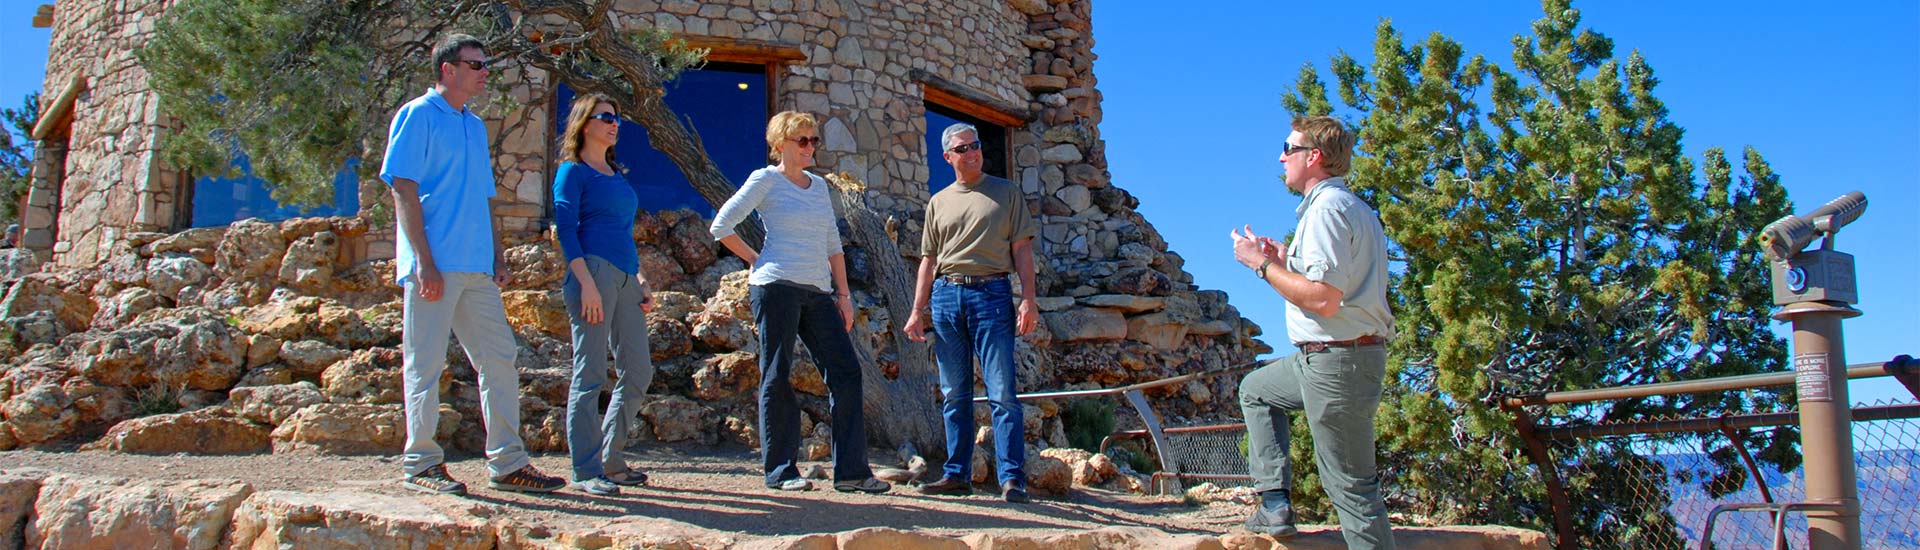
[[947, 486]]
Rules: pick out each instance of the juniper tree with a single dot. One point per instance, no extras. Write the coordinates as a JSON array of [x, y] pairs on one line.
[[1548, 234], [16, 155]]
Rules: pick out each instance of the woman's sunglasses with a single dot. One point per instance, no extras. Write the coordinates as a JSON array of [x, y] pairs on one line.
[[608, 118], [809, 141]]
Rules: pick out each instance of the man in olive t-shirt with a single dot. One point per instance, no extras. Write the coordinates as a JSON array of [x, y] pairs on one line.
[[977, 231]]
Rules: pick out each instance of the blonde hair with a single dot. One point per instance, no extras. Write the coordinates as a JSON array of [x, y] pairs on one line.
[[786, 125], [1331, 138], [575, 137]]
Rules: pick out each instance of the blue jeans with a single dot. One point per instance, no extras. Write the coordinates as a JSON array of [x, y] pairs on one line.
[[977, 321], [782, 312]]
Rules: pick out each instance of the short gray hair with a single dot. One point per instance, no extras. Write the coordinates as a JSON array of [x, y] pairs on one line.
[[946, 136]]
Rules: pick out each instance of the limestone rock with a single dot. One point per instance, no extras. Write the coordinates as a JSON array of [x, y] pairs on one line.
[[732, 298], [1048, 475], [676, 418], [1157, 330], [708, 282], [308, 264], [250, 250], [186, 347], [663, 272], [309, 358], [122, 308], [720, 333], [369, 376], [198, 243], [77, 512], [271, 405], [669, 338], [1140, 281], [1043, 83], [726, 375], [1086, 323], [40, 412], [208, 431], [18, 262], [168, 273], [536, 266], [346, 429], [343, 519], [1127, 303], [542, 310], [675, 305], [691, 244], [884, 538], [17, 491], [44, 292]]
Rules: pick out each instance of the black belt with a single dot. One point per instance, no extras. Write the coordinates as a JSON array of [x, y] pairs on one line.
[[1316, 347], [969, 280]]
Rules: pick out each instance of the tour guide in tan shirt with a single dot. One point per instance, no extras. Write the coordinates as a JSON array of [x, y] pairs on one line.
[[977, 231]]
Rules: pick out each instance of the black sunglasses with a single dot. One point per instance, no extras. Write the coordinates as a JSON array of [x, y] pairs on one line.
[[471, 64], [809, 141], [608, 118], [1288, 148], [964, 148]]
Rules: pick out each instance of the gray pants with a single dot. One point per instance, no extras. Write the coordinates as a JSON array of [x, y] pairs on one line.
[[595, 441], [1340, 391], [471, 308]]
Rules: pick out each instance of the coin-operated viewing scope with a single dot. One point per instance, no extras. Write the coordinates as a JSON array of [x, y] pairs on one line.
[[1818, 275]]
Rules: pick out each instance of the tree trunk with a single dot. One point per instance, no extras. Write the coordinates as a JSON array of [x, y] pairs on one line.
[[904, 409]]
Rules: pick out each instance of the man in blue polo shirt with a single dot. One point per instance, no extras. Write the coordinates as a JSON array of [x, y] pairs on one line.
[[452, 268]]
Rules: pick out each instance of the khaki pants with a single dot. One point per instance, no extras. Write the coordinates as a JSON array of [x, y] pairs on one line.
[[1339, 389], [471, 309]]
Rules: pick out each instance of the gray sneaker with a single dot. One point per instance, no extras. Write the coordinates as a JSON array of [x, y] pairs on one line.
[[868, 485], [435, 480], [598, 486], [1273, 517]]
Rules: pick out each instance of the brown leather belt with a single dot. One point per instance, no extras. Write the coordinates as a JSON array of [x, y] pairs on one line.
[[968, 280], [1317, 347]]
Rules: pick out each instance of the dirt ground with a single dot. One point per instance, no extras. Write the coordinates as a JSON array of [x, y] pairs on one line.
[[720, 490]]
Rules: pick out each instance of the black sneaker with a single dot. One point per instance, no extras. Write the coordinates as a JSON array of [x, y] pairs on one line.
[[869, 485], [435, 480], [1273, 516], [527, 480], [1014, 493]]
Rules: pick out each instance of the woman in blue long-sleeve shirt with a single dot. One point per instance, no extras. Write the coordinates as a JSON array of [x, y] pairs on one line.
[[606, 295]]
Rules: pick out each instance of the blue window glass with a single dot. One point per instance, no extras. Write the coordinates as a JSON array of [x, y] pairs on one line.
[[993, 147], [222, 201], [727, 104]]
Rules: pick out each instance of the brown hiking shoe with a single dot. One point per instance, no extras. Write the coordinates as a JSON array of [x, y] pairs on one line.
[[527, 480], [947, 486], [435, 480]]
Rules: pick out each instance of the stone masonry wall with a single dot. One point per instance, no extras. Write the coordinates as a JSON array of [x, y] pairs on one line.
[[114, 184]]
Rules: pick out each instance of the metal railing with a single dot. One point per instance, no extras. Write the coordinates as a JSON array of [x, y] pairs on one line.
[[1206, 453], [1665, 485]]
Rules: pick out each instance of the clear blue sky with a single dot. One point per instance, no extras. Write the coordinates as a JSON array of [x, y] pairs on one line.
[[1830, 96]]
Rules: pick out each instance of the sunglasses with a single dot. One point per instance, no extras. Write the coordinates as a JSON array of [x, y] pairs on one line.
[[471, 64], [809, 141], [965, 148], [1288, 148], [608, 118]]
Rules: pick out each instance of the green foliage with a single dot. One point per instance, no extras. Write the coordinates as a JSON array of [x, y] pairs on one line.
[[16, 155], [152, 400], [1551, 236], [1087, 422]]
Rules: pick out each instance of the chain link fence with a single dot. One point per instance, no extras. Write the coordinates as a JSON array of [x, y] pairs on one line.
[[1671, 481]]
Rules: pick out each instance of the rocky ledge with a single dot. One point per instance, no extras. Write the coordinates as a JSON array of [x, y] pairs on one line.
[[45, 509]]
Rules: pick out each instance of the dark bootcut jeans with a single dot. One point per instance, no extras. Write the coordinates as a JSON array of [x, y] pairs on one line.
[[782, 311], [977, 321]]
